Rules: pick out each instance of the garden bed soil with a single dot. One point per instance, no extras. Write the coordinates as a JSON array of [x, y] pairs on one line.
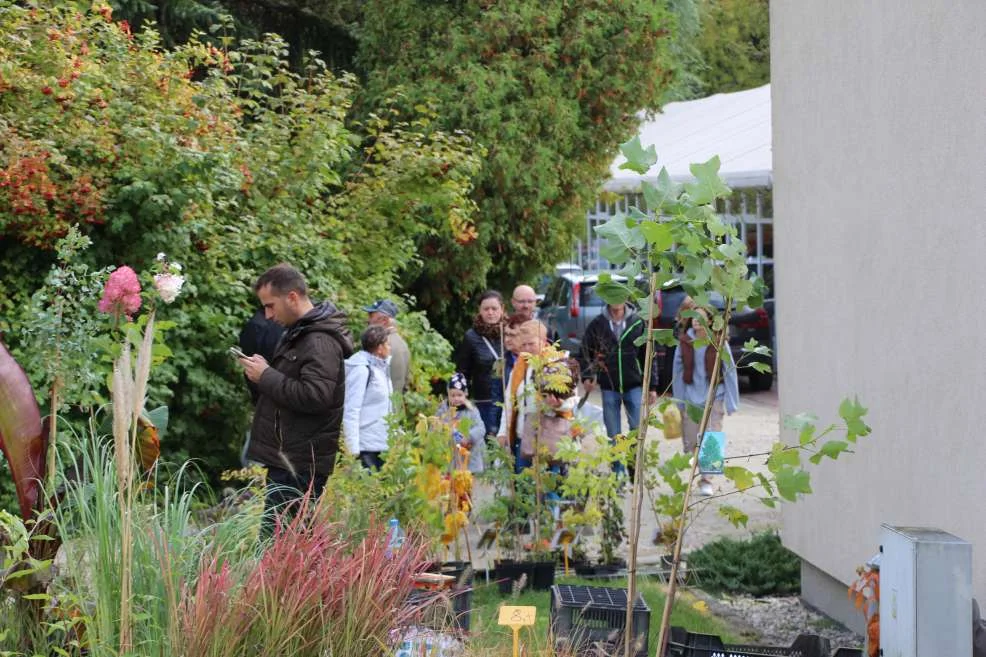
[[777, 620]]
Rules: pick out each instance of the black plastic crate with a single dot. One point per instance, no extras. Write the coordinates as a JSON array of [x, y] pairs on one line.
[[538, 575], [451, 608], [591, 620], [443, 610], [682, 643]]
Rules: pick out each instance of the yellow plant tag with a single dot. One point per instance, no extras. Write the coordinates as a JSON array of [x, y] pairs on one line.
[[517, 617]]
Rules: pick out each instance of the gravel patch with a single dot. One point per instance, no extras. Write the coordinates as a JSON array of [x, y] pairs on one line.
[[777, 621]]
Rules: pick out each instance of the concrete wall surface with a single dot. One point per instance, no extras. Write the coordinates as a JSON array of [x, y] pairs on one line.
[[879, 120]]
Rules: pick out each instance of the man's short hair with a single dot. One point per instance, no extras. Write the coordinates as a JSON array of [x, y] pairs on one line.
[[282, 279], [373, 337]]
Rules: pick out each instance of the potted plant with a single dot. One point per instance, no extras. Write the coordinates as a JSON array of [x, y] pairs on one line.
[[521, 525], [525, 514], [591, 479]]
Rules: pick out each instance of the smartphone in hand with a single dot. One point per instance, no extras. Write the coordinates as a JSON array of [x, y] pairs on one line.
[[237, 352]]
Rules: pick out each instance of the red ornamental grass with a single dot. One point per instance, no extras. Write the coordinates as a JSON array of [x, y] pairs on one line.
[[316, 590], [121, 296]]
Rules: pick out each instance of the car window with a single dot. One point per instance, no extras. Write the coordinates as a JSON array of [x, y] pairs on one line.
[[552, 296], [565, 293]]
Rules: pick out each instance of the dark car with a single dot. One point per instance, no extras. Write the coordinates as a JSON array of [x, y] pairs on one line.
[[571, 302]]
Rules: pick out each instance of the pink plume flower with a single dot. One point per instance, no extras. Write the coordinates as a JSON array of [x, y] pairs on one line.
[[121, 296]]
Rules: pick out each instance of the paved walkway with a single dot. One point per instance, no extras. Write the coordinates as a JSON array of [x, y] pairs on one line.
[[752, 429]]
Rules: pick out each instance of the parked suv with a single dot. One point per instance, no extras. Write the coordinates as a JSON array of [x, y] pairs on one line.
[[570, 303]]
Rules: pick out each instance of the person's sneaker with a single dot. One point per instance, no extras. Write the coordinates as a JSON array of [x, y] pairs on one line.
[[705, 488]]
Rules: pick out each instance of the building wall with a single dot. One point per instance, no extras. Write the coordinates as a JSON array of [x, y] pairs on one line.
[[879, 148]]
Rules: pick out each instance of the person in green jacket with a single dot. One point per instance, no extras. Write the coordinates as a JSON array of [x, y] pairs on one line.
[[610, 360]]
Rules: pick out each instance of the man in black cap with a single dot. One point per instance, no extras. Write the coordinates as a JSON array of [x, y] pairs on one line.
[[382, 313]]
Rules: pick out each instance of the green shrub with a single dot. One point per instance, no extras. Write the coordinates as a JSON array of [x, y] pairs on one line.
[[226, 160], [757, 566]]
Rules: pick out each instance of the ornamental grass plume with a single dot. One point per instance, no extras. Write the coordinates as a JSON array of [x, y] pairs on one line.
[[121, 296], [319, 588]]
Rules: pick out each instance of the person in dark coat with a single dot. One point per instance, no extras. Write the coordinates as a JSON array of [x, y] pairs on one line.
[[259, 336], [298, 418], [479, 358], [611, 360]]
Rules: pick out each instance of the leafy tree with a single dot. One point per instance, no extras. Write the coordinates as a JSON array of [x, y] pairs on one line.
[[174, 20], [734, 44], [688, 66], [547, 88], [226, 160]]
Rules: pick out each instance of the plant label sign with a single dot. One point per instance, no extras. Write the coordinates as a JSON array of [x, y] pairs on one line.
[[517, 617], [712, 454]]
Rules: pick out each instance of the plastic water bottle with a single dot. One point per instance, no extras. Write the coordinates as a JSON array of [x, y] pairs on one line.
[[395, 537]]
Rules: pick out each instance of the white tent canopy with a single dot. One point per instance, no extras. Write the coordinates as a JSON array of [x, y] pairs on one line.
[[735, 126]]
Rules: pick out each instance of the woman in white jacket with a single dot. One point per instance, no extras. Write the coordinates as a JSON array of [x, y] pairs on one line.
[[368, 398]]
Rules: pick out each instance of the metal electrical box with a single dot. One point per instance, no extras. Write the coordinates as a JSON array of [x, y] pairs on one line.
[[925, 593]]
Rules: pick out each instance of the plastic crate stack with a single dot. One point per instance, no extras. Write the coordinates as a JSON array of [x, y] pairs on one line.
[[682, 643], [591, 620]]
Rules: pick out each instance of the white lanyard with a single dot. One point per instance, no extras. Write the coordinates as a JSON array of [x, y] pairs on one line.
[[489, 346]]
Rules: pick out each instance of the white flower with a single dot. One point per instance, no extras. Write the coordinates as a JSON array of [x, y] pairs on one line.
[[168, 286], [175, 266], [161, 257]]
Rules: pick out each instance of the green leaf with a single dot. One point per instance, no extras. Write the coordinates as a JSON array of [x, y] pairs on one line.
[[853, 412], [735, 250], [36, 596], [648, 309], [615, 253], [735, 516], [751, 346], [740, 476], [694, 412], [806, 435], [621, 240], [831, 449], [765, 483], [760, 366], [159, 418], [639, 159], [770, 502], [756, 296], [782, 456], [658, 234], [799, 421], [612, 291], [792, 481], [708, 186], [661, 336], [662, 195], [698, 273]]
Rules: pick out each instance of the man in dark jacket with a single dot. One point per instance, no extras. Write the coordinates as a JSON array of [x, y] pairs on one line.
[[611, 360], [298, 417]]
